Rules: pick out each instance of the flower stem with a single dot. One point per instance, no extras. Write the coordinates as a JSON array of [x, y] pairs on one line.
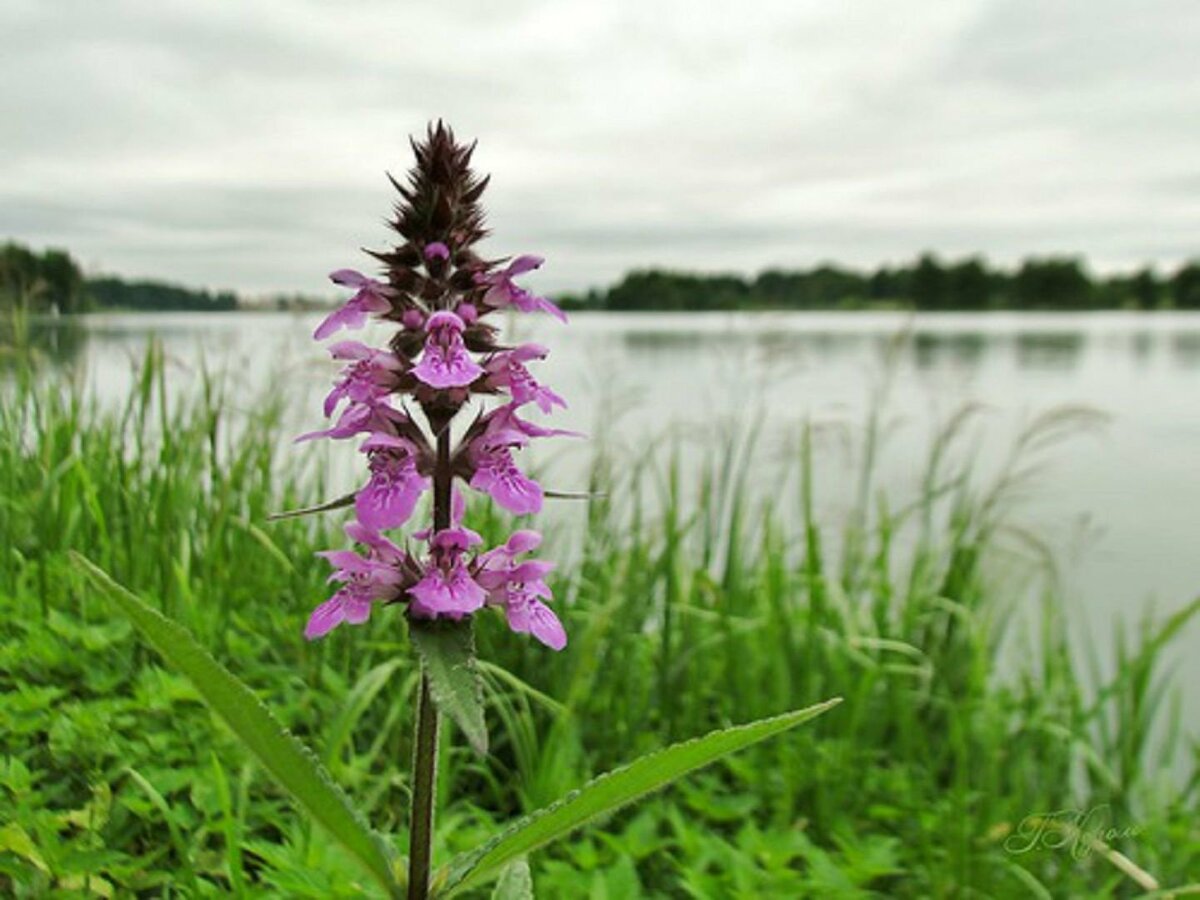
[[420, 840], [420, 844]]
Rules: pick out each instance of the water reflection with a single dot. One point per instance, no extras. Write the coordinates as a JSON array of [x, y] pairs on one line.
[[684, 341], [771, 347], [1142, 345], [1185, 349], [60, 341], [934, 350], [1049, 349]]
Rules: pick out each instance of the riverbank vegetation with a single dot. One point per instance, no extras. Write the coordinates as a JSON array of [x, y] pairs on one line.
[[927, 284], [52, 279], [937, 777]]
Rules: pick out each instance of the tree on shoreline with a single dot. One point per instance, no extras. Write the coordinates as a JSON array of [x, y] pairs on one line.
[[52, 281], [927, 284]]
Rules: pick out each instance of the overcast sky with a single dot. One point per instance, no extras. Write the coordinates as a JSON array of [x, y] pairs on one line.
[[243, 145]]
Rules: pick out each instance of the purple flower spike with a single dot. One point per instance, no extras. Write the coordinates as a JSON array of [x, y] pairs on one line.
[[446, 362], [507, 370], [502, 291], [405, 398], [391, 495], [370, 297]]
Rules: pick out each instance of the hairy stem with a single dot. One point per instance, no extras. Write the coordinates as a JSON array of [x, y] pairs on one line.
[[420, 844], [424, 780]]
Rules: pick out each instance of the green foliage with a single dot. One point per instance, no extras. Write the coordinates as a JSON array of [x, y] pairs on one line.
[[53, 279], [43, 281], [1185, 287], [280, 754], [613, 790], [684, 616], [117, 293], [448, 658]]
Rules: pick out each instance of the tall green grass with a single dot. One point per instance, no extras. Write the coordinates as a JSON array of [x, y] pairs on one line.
[[697, 596]]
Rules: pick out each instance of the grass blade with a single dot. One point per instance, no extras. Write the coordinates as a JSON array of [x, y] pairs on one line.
[[610, 792], [291, 764]]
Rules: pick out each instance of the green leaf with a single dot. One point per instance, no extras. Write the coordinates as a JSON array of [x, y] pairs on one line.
[[609, 792], [515, 882], [447, 651], [289, 761], [16, 839]]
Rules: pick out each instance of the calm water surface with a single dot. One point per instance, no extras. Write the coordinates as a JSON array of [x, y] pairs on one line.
[[1120, 505]]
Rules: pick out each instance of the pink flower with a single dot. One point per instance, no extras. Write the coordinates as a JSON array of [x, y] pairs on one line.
[[370, 297], [528, 615], [520, 587], [447, 588], [437, 250], [498, 569], [368, 379], [395, 486], [507, 370], [367, 580], [497, 475], [375, 416], [503, 292], [486, 462], [446, 362], [503, 420]]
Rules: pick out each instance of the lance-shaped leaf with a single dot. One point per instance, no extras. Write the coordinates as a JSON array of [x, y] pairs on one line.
[[610, 792], [344, 500], [289, 761], [447, 651]]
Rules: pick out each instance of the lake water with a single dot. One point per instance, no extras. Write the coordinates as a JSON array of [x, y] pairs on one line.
[[1120, 505]]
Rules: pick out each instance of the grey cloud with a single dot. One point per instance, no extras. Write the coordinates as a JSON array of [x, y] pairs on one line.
[[243, 145]]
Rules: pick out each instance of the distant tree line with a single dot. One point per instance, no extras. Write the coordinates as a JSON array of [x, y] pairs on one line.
[[52, 280], [1055, 283], [115, 293]]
